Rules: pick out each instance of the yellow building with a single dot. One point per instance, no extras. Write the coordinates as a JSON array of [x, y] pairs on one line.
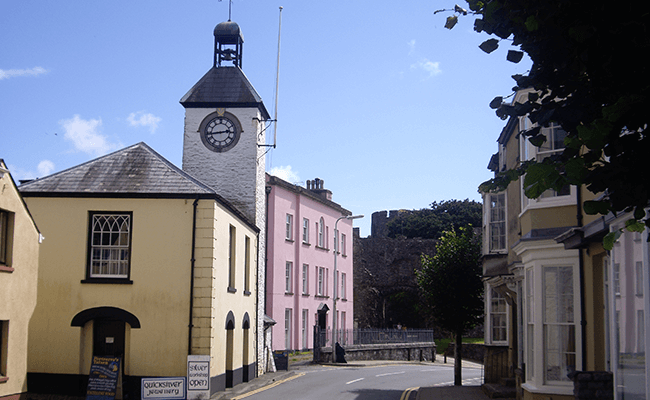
[[19, 247], [540, 294], [144, 262]]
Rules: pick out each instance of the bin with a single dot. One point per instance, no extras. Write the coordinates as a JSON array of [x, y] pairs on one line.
[[281, 358]]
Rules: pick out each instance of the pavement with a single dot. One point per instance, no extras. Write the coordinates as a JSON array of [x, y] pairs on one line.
[[273, 379]]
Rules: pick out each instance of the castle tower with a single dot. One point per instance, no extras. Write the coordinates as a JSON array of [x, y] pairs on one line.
[[223, 143]]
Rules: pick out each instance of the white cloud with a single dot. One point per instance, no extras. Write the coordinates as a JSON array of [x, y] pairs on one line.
[[85, 135], [141, 118], [430, 67], [285, 173], [45, 168], [411, 45], [11, 73]]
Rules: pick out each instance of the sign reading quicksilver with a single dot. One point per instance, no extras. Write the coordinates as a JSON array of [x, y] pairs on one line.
[[163, 388]]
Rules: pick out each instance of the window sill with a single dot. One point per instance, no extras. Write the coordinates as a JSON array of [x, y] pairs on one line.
[[288, 240], [111, 281], [4, 268], [306, 244], [232, 289], [288, 293], [319, 296], [322, 248], [344, 299], [247, 293], [566, 389], [305, 295], [4, 379]]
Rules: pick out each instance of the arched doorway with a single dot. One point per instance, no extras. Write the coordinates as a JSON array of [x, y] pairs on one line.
[[107, 333], [246, 325], [230, 349]]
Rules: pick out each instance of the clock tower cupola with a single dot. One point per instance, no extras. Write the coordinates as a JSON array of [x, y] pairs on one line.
[[223, 143]]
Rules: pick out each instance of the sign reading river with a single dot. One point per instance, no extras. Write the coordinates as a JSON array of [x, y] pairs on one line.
[[198, 377]]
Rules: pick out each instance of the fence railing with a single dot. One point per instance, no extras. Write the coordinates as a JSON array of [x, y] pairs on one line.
[[373, 336], [349, 337]]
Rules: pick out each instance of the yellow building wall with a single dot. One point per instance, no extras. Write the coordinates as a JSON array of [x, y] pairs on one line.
[[160, 293], [158, 297], [17, 289], [212, 264], [552, 217]]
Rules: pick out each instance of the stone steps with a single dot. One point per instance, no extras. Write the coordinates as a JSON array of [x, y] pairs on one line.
[[499, 391]]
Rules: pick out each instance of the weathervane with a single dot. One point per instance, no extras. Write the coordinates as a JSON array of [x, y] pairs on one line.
[[229, 9]]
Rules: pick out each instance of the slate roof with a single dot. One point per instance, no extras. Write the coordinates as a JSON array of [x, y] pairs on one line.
[[136, 170], [225, 87]]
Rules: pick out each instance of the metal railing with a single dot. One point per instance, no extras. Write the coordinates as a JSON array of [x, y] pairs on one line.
[[373, 336]]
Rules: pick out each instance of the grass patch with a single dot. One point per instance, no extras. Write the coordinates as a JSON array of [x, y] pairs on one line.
[[442, 344]]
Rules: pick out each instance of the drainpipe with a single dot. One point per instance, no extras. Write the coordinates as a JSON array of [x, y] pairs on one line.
[[581, 268], [192, 261]]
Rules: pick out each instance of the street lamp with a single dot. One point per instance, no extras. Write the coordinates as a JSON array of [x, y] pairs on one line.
[[336, 283]]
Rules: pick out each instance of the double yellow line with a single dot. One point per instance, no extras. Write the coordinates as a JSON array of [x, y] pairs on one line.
[[407, 393], [274, 384]]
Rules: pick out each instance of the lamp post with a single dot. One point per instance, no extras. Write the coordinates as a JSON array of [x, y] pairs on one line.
[[336, 283]]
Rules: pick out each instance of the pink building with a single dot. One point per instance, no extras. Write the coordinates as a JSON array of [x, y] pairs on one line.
[[300, 261]]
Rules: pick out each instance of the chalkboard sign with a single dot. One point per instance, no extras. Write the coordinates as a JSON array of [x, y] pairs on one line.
[[102, 381]]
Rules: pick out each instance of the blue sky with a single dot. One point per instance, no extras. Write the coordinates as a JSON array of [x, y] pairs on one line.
[[376, 97]]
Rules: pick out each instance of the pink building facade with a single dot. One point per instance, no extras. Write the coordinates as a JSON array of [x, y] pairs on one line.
[[301, 245]]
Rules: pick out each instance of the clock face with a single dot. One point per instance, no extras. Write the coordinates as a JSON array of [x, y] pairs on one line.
[[220, 134]]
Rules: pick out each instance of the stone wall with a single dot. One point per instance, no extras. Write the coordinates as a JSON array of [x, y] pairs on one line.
[[470, 351], [402, 351], [385, 289], [593, 385]]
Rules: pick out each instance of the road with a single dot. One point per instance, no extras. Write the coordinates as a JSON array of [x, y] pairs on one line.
[[384, 382]]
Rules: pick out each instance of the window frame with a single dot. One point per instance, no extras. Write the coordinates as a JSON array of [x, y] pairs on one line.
[[343, 286], [247, 265], [6, 240], [90, 247], [491, 222], [232, 259], [305, 279], [289, 227], [321, 233], [492, 312], [288, 277], [4, 350], [288, 322], [536, 321], [320, 281], [527, 151], [305, 230]]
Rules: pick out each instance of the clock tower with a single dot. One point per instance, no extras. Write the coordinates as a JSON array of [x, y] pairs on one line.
[[223, 144]]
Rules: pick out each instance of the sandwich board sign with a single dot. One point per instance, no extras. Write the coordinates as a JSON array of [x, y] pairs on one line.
[[102, 381], [198, 377]]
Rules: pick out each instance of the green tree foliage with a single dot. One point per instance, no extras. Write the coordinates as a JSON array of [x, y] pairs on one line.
[[451, 286], [590, 77], [429, 223]]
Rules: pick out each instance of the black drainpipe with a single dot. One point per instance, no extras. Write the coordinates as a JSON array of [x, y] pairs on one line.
[[192, 260], [581, 267]]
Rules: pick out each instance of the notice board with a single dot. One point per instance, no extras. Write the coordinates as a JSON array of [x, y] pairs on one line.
[[102, 381]]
